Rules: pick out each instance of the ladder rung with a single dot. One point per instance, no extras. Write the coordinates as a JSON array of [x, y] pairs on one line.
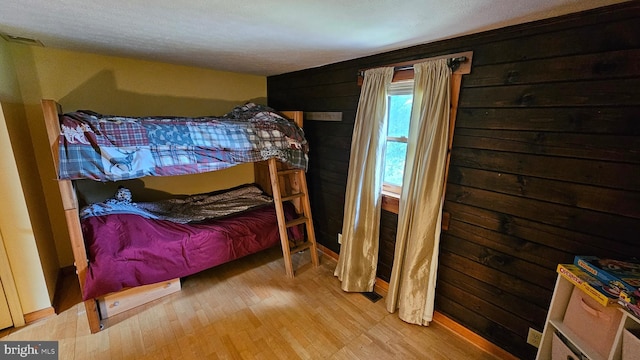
[[301, 247], [289, 171], [292, 196], [298, 221]]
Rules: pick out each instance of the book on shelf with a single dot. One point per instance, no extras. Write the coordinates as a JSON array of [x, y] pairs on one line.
[[587, 283]]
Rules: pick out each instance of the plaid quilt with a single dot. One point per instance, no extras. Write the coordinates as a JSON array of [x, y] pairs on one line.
[[111, 148]]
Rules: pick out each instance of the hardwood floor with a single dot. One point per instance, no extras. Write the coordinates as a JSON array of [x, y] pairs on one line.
[[248, 309]]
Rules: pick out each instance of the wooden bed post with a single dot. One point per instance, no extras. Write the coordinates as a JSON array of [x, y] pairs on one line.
[[51, 112], [262, 176], [289, 185]]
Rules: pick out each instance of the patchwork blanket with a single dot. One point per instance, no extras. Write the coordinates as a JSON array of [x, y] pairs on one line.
[[112, 148]]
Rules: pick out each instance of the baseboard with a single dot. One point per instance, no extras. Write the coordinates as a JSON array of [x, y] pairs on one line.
[[472, 337], [382, 288], [328, 252], [38, 315]]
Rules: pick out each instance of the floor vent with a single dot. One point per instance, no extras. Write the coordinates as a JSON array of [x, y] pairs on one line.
[[373, 296]]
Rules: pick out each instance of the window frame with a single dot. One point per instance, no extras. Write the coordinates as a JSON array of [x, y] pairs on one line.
[[404, 87], [404, 71]]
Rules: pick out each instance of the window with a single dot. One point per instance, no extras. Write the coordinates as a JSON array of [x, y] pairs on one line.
[[399, 101]]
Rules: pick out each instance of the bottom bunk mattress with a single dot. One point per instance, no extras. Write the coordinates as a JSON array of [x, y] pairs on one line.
[[127, 250]]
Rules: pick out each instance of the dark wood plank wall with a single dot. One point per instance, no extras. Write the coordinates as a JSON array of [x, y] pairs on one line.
[[545, 161]]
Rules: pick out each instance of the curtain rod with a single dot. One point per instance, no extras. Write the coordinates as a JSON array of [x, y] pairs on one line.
[[453, 63]]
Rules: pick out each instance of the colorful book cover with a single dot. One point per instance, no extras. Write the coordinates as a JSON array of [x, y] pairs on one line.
[[587, 283], [620, 277]]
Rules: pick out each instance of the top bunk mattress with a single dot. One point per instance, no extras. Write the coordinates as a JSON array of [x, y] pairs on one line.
[[112, 148]]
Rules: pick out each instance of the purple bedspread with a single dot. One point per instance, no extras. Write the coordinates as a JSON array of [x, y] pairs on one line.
[[126, 250]]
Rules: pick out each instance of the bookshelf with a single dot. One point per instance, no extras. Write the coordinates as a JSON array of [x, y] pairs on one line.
[[554, 323]]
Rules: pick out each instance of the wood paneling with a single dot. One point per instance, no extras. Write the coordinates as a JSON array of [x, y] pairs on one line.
[[569, 68], [388, 226], [545, 161], [578, 120]]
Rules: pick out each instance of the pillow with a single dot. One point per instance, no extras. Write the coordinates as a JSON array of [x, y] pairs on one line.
[[123, 194]]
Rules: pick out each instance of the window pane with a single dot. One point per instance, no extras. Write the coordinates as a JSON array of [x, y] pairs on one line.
[[399, 115], [394, 162]]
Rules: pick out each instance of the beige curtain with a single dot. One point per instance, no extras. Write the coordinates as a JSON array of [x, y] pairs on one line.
[[363, 197], [413, 276]]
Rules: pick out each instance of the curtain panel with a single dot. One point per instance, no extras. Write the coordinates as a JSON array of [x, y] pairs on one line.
[[413, 275], [358, 259]]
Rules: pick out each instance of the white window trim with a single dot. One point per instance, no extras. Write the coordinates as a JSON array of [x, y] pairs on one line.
[[397, 88], [400, 87]]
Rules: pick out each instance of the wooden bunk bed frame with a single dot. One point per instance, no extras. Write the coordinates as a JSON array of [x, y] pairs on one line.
[[267, 175]]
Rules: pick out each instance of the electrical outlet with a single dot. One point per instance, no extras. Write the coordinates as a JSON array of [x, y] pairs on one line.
[[534, 337], [340, 238]]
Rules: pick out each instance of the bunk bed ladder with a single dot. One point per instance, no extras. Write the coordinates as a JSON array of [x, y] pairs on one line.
[[300, 195]]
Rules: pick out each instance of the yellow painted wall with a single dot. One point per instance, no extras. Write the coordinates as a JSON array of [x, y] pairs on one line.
[[33, 261], [123, 86]]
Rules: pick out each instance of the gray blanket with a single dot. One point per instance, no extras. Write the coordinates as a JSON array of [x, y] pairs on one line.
[[193, 208]]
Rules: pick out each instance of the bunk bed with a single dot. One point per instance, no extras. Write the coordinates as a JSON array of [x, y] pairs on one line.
[[87, 145]]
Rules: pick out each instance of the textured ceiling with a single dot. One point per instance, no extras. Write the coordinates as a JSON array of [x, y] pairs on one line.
[[263, 37]]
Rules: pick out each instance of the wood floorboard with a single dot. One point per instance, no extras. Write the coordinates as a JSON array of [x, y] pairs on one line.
[[248, 309]]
